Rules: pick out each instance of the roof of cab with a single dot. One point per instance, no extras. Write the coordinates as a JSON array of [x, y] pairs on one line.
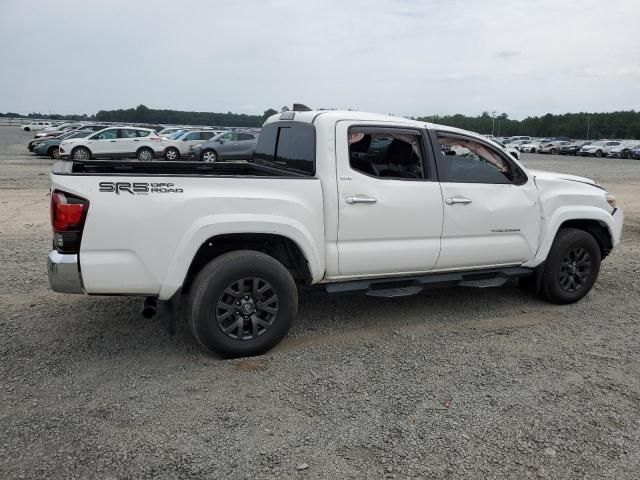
[[314, 116]]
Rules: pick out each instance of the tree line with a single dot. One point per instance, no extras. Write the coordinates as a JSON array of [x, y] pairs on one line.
[[143, 114], [623, 124]]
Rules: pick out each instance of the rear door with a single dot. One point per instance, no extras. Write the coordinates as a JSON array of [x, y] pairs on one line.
[[491, 208], [390, 210], [127, 143]]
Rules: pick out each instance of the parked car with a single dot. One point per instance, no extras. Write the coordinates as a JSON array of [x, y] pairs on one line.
[[635, 153], [511, 150], [553, 147], [517, 143], [599, 149], [517, 138], [115, 142], [237, 240], [623, 151], [35, 126], [50, 146], [57, 134], [530, 147], [572, 148], [226, 146], [180, 145]]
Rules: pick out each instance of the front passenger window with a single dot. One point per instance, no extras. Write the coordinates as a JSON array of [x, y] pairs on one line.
[[464, 160]]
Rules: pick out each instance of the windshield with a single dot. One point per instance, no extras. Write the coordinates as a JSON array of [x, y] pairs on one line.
[[176, 134], [80, 134]]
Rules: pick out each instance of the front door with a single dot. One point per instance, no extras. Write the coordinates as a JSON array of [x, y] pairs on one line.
[[389, 201], [491, 209], [103, 142]]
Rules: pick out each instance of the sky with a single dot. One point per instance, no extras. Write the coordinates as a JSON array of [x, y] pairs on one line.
[[406, 57]]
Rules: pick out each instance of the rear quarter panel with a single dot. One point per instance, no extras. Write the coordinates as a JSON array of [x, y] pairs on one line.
[[143, 243]]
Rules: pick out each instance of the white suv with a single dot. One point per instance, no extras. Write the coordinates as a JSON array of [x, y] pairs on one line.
[[115, 142], [35, 126], [179, 146], [599, 149]]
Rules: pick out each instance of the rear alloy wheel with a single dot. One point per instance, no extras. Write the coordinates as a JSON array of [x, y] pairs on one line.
[[209, 156], [54, 153], [242, 303], [81, 153], [572, 266], [171, 154], [145, 155]]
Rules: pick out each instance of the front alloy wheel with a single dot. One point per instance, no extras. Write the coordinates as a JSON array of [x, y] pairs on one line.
[[81, 154], [575, 269], [209, 156]]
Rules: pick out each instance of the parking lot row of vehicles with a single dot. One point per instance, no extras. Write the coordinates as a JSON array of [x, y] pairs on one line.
[[565, 146], [95, 141]]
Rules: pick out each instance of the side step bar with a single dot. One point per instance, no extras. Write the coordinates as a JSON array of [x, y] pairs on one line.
[[404, 286]]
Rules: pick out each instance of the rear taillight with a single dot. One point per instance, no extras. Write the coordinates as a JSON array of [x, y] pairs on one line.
[[68, 213]]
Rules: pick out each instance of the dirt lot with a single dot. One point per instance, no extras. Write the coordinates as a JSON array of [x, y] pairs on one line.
[[458, 383]]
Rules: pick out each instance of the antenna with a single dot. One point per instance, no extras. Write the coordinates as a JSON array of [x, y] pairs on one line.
[[300, 107]]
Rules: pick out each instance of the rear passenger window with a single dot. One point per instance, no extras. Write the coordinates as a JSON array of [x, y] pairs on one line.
[[385, 153], [143, 133], [206, 135], [245, 136], [287, 146], [127, 133]]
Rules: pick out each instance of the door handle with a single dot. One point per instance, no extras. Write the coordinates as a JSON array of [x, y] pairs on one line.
[[361, 199], [453, 200], [112, 141], [136, 140]]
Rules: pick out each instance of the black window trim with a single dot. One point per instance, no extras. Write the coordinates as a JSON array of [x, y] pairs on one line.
[[512, 164], [428, 161], [278, 124]]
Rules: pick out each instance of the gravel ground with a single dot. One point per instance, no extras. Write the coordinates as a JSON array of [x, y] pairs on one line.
[[457, 383]]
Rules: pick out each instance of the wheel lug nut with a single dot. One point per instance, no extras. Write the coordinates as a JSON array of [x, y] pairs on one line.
[[237, 312], [238, 303]]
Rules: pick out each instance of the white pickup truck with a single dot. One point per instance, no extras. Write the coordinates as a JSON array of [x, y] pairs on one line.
[[344, 200]]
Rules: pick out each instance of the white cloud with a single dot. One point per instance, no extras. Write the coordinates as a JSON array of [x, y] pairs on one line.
[[406, 57]]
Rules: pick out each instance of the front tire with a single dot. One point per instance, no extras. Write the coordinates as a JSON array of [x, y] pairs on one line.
[[209, 156], [145, 155], [599, 153], [242, 303], [553, 151], [572, 266], [81, 154]]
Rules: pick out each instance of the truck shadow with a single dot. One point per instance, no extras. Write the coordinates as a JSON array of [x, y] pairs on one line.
[[106, 327]]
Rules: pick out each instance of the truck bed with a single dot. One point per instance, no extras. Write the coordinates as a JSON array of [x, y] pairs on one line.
[[161, 168]]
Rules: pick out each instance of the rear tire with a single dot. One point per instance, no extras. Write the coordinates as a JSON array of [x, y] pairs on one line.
[[572, 266], [54, 152], [599, 153], [242, 303]]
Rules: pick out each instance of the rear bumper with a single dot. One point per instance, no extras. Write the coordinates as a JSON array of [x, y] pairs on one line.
[[64, 273]]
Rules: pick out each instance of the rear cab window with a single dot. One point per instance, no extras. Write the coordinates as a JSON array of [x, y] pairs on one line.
[[289, 146]]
